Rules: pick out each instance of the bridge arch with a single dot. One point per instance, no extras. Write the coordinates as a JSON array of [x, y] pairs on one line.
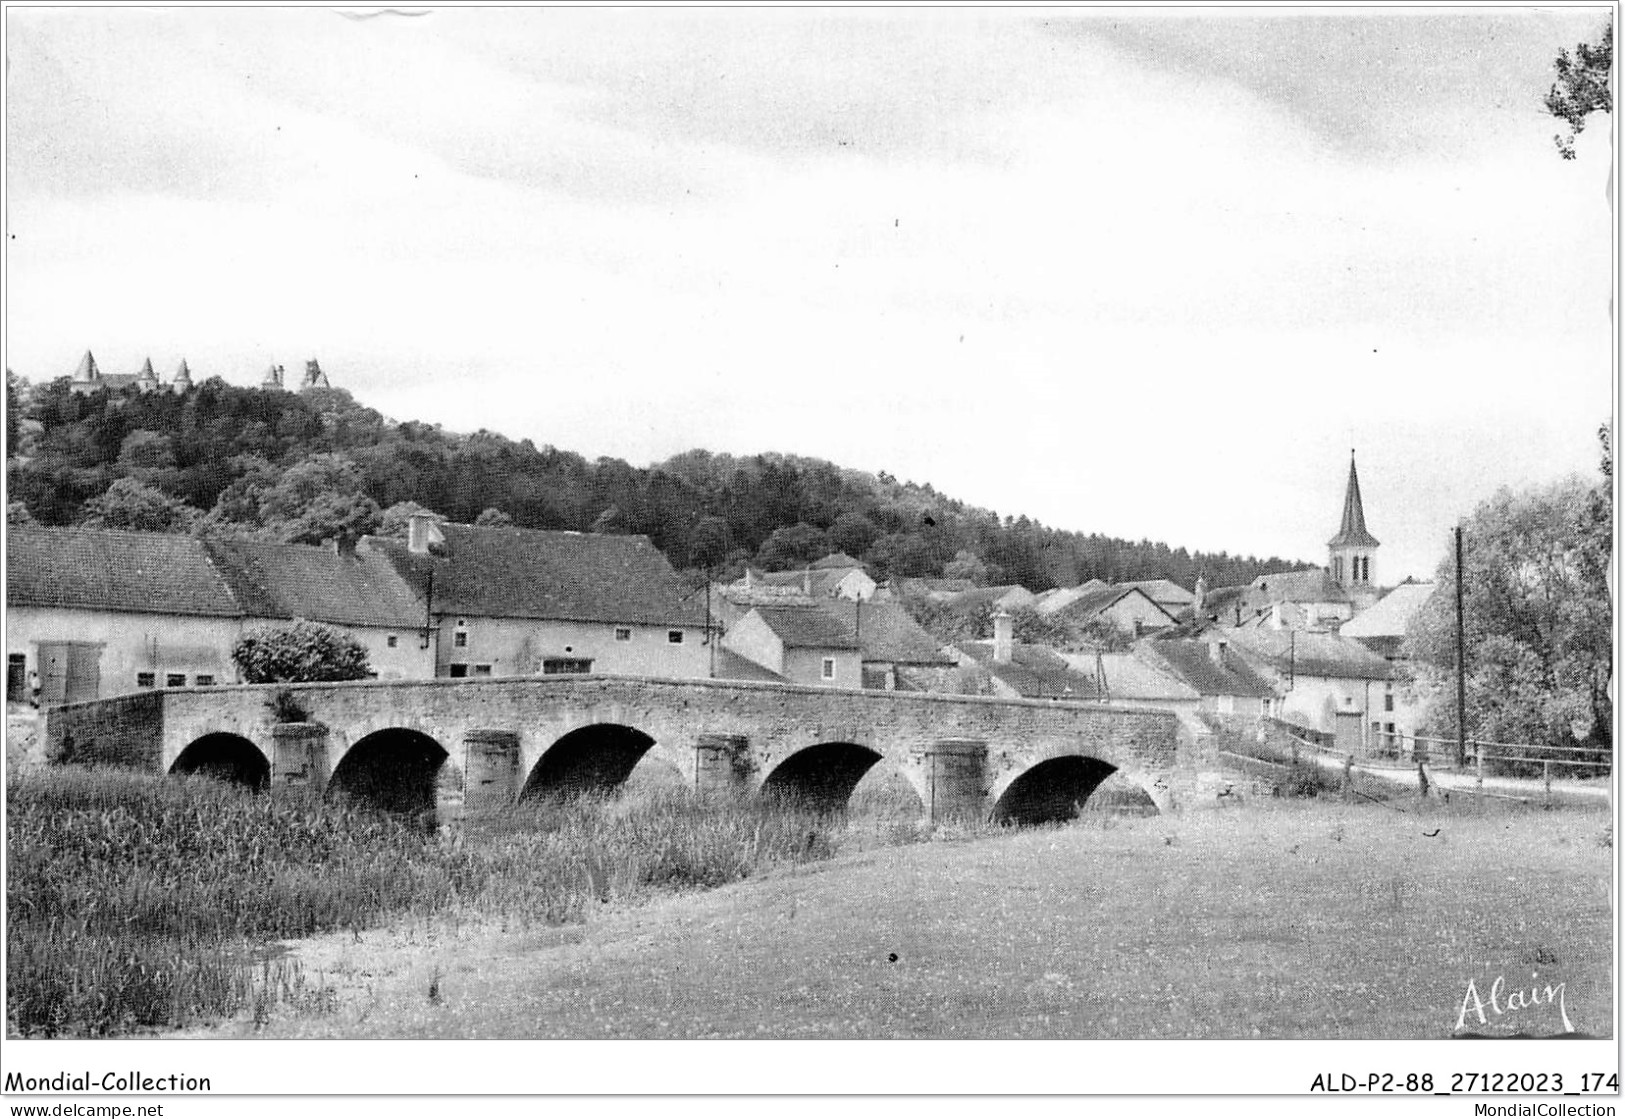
[[393, 769], [822, 775], [225, 757], [1052, 790], [598, 757]]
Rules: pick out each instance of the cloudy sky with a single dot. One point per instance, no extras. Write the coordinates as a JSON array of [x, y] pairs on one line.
[[1133, 272]]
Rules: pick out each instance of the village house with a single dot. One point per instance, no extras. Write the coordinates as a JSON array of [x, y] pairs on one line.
[[1012, 669], [1383, 626], [1128, 610], [1135, 680], [1323, 677], [1166, 593], [806, 644], [1059, 598], [1227, 686], [98, 613], [837, 575], [937, 590], [991, 599], [520, 602]]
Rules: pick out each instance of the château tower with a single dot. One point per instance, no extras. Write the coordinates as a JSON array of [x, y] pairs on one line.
[[1352, 547]]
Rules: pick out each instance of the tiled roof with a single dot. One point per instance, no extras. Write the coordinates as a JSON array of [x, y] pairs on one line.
[[319, 584], [565, 576], [1093, 602], [1311, 654], [732, 666], [1193, 663], [987, 596], [1035, 671], [125, 571], [1163, 591], [1129, 677], [1313, 585], [809, 627], [887, 633], [932, 588], [1058, 600], [1391, 615]]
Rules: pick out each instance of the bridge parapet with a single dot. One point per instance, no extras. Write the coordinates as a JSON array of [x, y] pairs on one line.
[[959, 753]]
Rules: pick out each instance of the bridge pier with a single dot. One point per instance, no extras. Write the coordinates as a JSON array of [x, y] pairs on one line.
[[721, 764], [299, 760], [953, 771], [490, 770]]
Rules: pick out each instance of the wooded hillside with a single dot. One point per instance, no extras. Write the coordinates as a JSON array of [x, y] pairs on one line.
[[312, 465]]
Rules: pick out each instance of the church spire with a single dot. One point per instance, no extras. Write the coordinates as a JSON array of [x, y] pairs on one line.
[[1352, 532]]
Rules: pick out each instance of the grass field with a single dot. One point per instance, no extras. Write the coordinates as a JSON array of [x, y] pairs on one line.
[[1284, 920], [138, 902]]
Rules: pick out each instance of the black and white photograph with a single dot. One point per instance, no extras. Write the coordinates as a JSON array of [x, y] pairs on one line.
[[538, 530]]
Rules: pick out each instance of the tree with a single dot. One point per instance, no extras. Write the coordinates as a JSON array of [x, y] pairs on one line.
[[899, 555], [17, 514], [795, 546], [966, 565], [1538, 621], [321, 498], [493, 518], [610, 522], [1582, 87], [302, 652], [852, 533], [137, 507], [708, 544]]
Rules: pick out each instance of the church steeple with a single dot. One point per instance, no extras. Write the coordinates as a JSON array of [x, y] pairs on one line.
[[1351, 548]]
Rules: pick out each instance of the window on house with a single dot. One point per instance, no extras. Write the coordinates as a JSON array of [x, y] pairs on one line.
[[566, 666], [674, 636], [175, 680], [482, 670], [829, 668], [623, 633], [204, 680], [146, 679], [1388, 701], [391, 641], [459, 639], [457, 671]]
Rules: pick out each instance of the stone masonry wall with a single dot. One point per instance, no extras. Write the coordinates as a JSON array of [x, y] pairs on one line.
[[776, 722], [123, 731]]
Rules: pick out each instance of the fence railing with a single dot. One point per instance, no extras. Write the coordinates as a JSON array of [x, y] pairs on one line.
[[1422, 758], [1402, 750]]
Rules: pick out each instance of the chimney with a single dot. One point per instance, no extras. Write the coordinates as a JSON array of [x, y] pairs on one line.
[[806, 582], [1003, 637], [1215, 651], [417, 534], [1201, 594]]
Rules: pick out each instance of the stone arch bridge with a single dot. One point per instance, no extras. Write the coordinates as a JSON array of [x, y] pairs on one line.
[[386, 740]]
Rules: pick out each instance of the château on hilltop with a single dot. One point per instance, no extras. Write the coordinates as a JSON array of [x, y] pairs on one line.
[[89, 378]]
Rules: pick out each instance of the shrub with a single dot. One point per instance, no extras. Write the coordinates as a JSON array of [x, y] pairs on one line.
[[299, 653]]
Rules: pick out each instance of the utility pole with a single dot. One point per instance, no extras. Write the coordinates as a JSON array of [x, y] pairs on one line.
[[1461, 663]]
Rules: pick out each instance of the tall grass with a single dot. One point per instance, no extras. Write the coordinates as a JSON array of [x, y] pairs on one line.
[[142, 902], [135, 901]]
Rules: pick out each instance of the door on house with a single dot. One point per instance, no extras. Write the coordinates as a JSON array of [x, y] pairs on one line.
[[17, 678], [70, 671]]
